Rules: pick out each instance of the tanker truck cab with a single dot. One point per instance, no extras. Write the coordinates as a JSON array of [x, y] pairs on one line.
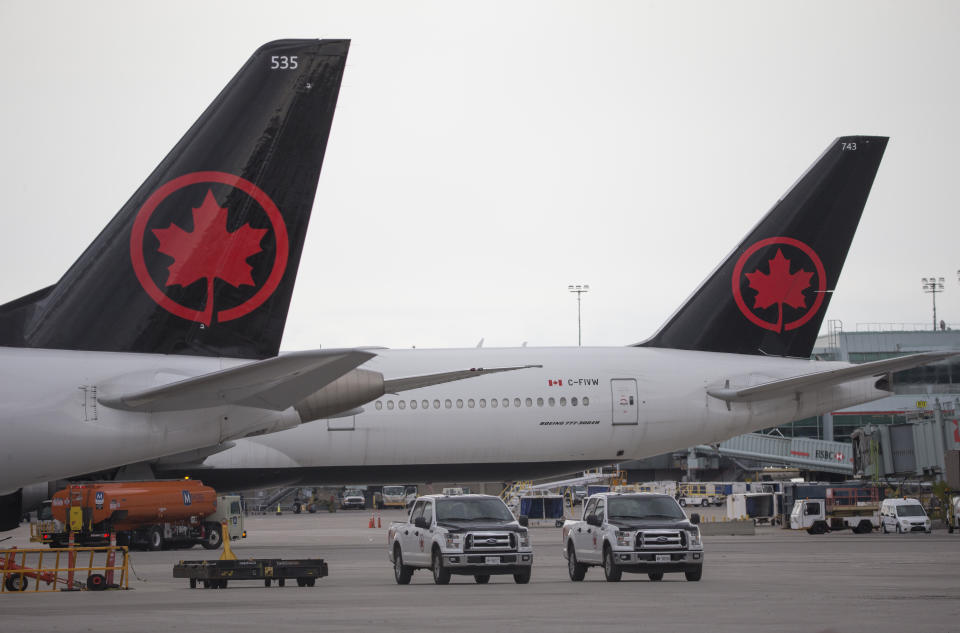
[[903, 515]]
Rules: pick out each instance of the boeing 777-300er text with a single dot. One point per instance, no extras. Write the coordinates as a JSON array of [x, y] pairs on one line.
[[163, 337], [734, 358]]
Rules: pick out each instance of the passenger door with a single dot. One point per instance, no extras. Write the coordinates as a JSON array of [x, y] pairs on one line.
[[579, 534], [410, 535], [623, 392]]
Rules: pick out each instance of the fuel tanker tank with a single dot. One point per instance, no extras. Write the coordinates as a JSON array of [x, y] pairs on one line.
[[130, 505]]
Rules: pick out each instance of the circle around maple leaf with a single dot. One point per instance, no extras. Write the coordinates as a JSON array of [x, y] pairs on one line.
[[821, 280], [255, 192]]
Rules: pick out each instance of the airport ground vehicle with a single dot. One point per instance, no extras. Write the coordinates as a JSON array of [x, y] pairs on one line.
[[903, 515], [698, 494], [152, 514], [952, 518], [353, 498], [759, 506], [462, 534], [640, 533], [399, 496], [214, 574], [856, 509]]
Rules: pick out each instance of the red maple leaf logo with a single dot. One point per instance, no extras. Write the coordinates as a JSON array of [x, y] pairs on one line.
[[779, 287], [210, 251]]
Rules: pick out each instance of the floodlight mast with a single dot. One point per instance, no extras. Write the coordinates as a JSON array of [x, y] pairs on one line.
[[579, 289], [931, 286]]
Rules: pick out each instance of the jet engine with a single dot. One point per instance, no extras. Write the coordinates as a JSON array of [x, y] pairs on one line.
[[348, 392]]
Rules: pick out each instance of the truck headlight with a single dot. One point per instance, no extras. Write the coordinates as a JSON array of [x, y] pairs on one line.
[[524, 539], [624, 539], [695, 538], [452, 541]]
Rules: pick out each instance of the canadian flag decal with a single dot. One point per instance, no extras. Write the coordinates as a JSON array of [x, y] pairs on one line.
[[555, 383]]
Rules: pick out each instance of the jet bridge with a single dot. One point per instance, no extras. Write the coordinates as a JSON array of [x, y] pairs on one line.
[[802, 452]]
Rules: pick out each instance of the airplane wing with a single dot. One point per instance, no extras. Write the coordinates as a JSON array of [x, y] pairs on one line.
[[275, 383], [396, 385], [816, 380]]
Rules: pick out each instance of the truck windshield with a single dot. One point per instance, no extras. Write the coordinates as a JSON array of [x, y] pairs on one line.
[[644, 508], [912, 510], [393, 491], [353, 493], [464, 509]]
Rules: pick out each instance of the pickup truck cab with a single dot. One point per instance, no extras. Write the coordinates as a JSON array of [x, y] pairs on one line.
[[636, 533], [463, 534]]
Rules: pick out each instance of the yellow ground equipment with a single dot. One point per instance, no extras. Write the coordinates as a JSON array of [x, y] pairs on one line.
[[64, 569]]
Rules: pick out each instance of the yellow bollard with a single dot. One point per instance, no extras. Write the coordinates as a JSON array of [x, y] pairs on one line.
[[225, 537]]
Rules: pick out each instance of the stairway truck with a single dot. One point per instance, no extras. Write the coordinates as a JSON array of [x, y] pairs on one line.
[[151, 514], [468, 534], [856, 509]]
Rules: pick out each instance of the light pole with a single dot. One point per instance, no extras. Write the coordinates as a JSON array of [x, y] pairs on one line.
[[579, 289], [933, 285]]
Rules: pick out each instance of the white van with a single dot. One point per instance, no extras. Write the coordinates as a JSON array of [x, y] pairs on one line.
[[903, 515]]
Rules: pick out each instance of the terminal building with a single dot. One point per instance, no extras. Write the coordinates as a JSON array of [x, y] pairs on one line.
[[919, 394]]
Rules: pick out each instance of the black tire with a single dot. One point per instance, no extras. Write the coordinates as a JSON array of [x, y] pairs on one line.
[[523, 577], [301, 582], [223, 584], [207, 584], [16, 582], [611, 571], [401, 573], [481, 579], [282, 582], [950, 528], [311, 582], [96, 582], [193, 583], [214, 537], [655, 576], [155, 538], [441, 575], [576, 570], [266, 582], [694, 576]]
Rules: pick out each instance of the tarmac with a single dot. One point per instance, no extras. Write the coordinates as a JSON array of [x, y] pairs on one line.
[[777, 580]]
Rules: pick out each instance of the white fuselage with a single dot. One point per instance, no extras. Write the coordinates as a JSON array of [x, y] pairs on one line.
[[51, 425], [535, 420]]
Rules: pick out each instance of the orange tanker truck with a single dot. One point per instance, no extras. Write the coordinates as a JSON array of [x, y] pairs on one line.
[[151, 514]]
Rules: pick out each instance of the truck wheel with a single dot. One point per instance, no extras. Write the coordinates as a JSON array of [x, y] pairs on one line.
[[522, 577], [611, 571], [266, 582], [950, 528], [193, 583], [655, 576], [441, 576], [482, 579], [576, 570], [401, 573], [155, 538], [694, 576], [282, 582], [705, 503], [311, 582], [17, 582], [214, 537]]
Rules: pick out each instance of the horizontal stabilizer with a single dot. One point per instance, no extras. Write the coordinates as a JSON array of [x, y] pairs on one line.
[[396, 385], [275, 384], [821, 379]]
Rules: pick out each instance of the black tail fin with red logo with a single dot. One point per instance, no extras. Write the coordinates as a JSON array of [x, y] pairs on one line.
[[770, 295], [202, 259]]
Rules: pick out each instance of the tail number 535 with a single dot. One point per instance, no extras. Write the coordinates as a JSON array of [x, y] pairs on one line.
[[283, 62]]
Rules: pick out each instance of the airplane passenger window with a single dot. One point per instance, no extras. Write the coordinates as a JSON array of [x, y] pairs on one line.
[[390, 404], [402, 404], [573, 402], [447, 403], [552, 402], [516, 402], [483, 403], [506, 402], [425, 404], [529, 402], [459, 403], [586, 401], [563, 402], [471, 403], [379, 405], [494, 403], [539, 402], [413, 404], [436, 404]]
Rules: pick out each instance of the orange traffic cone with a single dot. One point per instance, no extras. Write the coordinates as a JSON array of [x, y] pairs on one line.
[[378, 519], [370, 525]]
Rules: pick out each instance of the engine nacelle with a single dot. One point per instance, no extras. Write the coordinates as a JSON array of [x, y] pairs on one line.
[[353, 389]]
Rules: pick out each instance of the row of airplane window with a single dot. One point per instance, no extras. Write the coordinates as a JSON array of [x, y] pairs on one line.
[[482, 403]]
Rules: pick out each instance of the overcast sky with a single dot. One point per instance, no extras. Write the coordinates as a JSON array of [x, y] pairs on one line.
[[486, 155]]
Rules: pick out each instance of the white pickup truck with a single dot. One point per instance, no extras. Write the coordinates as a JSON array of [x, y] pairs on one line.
[[464, 534], [640, 533]]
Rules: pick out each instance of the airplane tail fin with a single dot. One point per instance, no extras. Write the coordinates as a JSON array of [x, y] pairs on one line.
[[770, 295], [202, 259]]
